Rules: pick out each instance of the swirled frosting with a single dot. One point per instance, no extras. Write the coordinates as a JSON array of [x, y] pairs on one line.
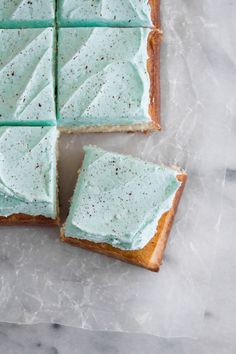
[[25, 13], [103, 77], [119, 199], [26, 77], [28, 171], [122, 13]]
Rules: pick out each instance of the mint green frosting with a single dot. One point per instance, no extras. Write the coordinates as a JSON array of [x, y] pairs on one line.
[[28, 171], [25, 13], [122, 13], [102, 76], [119, 199], [26, 77]]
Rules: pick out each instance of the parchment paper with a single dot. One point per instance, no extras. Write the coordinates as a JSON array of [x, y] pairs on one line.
[[44, 280]]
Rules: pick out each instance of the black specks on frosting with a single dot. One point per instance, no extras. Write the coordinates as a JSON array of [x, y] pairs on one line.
[[120, 13], [28, 159], [112, 71], [117, 194], [27, 93]]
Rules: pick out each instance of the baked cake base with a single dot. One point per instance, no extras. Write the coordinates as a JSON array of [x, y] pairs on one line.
[[149, 257]]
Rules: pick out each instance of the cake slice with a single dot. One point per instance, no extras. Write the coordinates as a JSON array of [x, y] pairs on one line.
[[27, 77], [108, 79], [117, 13], [25, 13], [123, 207], [28, 175]]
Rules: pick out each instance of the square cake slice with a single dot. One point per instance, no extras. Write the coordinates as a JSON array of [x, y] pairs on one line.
[[108, 79], [28, 175], [25, 13], [116, 13], [27, 77], [123, 207]]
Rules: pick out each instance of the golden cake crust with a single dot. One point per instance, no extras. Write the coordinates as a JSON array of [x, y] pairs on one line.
[[155, 12], [149, 257], [153, 66], [24, 219]]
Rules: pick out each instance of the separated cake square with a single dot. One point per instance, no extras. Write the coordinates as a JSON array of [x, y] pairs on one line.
[[28, 175], [123, 207], [108, 79], [25, 13], [27, 77], [116, 13]]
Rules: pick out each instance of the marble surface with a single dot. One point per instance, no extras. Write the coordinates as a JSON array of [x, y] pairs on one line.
[[217, 332], [209, 64]]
